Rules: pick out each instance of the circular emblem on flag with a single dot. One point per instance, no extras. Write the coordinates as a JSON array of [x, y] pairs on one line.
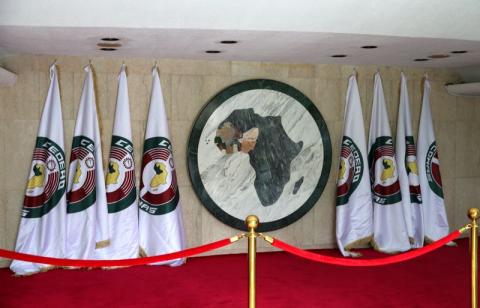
[[51, 165], [46, 181], [383, 172], [120, 179], [82, 193], [432, 168], [128, 162], [350, 170], [158, 187]]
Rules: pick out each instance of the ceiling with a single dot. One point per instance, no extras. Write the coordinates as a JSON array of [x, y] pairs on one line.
[[301, 31]]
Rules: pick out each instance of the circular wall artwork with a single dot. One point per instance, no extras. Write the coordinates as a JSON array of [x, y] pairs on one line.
[[259, 147]]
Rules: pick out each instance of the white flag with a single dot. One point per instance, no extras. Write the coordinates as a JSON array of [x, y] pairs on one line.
[[434, 215], [406, 155], [389, 229], [354, 199], [120, 182], [42, 226], [160, 218], [87, 225]]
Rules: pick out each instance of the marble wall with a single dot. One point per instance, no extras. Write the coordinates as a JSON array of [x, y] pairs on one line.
[[187, 85]]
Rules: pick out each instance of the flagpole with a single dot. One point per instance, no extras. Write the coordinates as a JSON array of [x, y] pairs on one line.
[[252, 223], [474, 214]]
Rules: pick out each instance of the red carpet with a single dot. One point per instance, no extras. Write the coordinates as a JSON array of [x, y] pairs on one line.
[[439, 279]]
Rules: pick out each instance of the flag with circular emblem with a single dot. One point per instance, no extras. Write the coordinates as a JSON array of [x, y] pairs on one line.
[[354, 209], [389, 227], [87, 224], [120, 182], [434, 214], [160, 217], [42, 224], [406, 156]]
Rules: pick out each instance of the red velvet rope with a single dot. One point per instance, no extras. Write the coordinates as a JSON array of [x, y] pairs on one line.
[[8, 254], [366, 262]]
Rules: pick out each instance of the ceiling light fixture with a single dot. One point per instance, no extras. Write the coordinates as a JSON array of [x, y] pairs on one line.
[[438, 56], [338, 56], [108, 49], [110, 39], [420, 60], [369, 47], [212, 51], [458, 51], [109, 45], [228, 42]]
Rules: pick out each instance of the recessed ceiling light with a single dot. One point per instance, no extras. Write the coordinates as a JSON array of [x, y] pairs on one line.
[[438, 56], [212, 51], [420, 60], [108, 49], [228, 42], [459, 51], [111, 45], [110, 39], [369, 47], [338, 56]]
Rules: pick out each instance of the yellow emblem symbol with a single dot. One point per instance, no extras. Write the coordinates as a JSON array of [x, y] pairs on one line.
[[78, 174], [160, 176], [38, 176], [342, 169], [412, 167], [388, 169], [113, 173]]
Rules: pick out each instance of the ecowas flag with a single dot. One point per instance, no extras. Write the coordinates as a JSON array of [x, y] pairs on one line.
[[389, 229], [434, 215], [354, 199], [120, 182], [160, 218], [87, 225], [42, 226], [406, 155]]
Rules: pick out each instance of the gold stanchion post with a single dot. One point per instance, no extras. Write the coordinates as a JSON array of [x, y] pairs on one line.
[[252, 223], [474, 214]]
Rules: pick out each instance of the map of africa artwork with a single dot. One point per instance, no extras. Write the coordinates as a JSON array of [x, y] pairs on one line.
[[259, 147]]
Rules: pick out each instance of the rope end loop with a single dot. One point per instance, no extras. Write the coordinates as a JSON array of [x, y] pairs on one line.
[[268, 239], [235, 238], [465, 228]]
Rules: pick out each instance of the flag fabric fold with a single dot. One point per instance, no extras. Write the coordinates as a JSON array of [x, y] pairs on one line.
[[120, 182], [389, 228], [406, 156], [42, 225], [434, 214], [354, 209], [87, 224], [160, 219]]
